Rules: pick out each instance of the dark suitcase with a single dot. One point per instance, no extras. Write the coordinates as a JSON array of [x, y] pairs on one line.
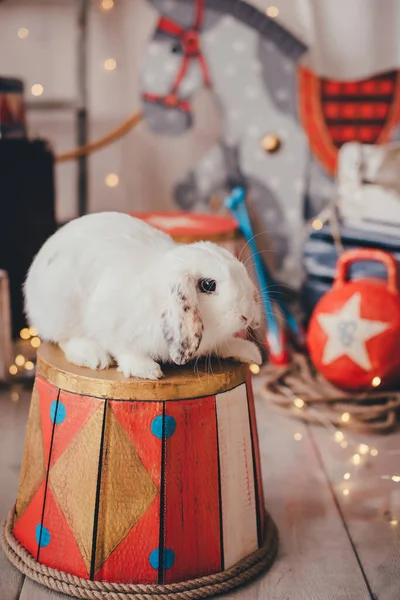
[[320, 256], [27, 212]]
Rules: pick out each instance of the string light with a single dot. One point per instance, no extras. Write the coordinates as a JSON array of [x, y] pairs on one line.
[[344, 444], [23, 33], [13, 370], [339, 437], [298, 437], [112, 180], [107, 4], [20, 360], [255, 369], [396, 478], [14, 396], [345, 417], [272, 11], [346, 492], [24, 334], [35, 342], [32, 332], [356, 459], [374, 452], [110, 64], [37, 89], [317, 224], [346, 476], [298, 402], [29, 366], [394, 522], [376, 382], [363, 449]]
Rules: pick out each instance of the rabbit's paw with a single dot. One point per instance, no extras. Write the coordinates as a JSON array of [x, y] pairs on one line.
[[143, 367], [85, 353], [242, 350]]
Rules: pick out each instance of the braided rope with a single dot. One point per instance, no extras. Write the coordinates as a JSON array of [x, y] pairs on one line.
[[202, 587]]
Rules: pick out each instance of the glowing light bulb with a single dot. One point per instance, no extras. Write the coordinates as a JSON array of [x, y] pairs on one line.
[[298, 437], [346, 476], [255, 369], [24, 334], [345, 417], [339, 437], [14, 396], [29, 366], [394, 522], [23, 33], [376, 382], [20, 360], [110, 64], [356, 458], [374, 452], [363, 449], [396, 478], [13, 370], [346, 492], [317, 224], [112, 180], [32, 331], [35, 342], [107, 4], [298, 402], [37, 89], [272, 11]]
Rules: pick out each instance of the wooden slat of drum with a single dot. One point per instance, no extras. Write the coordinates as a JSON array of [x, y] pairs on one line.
[[256, 458], [130, 559], [238, 494], [13, 418], [315, 559], [370, 505], [192, 529], [71, 491]]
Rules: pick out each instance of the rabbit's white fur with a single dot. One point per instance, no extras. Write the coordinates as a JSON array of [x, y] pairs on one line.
[[109, 285]]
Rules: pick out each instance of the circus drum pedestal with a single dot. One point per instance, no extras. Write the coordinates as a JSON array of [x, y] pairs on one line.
[[133, 487]]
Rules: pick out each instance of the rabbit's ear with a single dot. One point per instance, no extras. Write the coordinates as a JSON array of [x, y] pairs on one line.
[[181, 321]]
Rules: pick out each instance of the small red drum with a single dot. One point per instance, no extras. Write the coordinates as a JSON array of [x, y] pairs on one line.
[[141, 482], [12, 108], [187, 228]]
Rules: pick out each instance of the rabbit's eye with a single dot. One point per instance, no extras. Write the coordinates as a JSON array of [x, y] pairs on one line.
[[207, 286]]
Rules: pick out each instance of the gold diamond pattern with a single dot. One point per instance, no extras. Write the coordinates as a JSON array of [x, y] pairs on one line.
[[74, 480], [33, 469], [127, 490]]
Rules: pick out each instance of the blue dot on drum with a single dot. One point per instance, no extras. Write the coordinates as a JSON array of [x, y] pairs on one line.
[[169, 558], [157, 426], [154, 558], [42, 536], [58, 412]]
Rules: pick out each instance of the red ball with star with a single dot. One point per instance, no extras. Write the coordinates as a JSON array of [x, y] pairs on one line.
[[354, 332]]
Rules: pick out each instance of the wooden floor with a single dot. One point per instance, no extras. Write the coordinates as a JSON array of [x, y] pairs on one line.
[[333, 546]]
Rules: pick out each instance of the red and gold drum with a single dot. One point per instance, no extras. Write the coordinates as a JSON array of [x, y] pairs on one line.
[[187, 228], [139, 482]]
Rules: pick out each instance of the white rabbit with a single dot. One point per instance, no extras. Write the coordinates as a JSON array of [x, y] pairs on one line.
[[109, 285]]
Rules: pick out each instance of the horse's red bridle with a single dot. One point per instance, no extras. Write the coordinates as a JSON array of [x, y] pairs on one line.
[[190, 42]]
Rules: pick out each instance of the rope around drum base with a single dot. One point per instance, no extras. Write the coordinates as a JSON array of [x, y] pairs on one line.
[[202, 587]]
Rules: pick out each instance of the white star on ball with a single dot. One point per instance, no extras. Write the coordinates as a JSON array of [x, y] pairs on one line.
[[348, 333]]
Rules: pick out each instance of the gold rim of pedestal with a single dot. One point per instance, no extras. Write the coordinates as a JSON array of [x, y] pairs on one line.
[[191, 381]]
